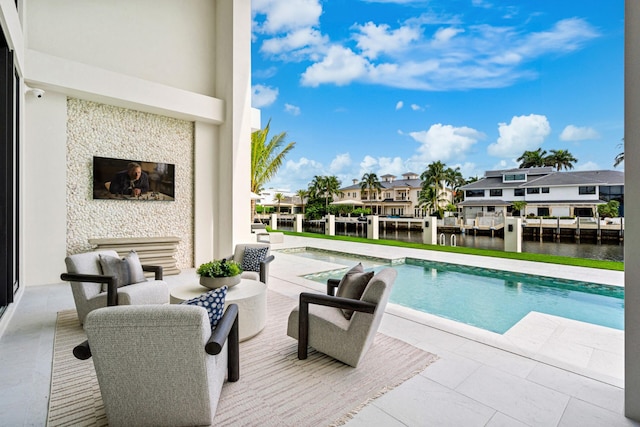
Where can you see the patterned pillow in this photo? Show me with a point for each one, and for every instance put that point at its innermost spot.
(127, 270)
(213, 301)
(353, 285)
(253, 257)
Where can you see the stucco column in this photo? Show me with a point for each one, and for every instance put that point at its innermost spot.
(373, 227)
(513, 234)
(233, 85)
(330, 225)
(297, 225)
(430, 231)
(632, 208)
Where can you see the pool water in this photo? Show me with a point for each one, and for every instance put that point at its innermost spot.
(490, 299)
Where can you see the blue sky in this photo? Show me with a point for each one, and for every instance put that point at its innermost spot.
(389, 86)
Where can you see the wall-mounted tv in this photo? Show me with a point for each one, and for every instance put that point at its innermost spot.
(125, 179)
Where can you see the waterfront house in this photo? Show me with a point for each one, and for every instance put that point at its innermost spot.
(397, 197)
(545, 191)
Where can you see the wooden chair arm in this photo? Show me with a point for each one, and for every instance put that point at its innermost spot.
(112, 286)
(227, 328)
(157, 269)
(307, 298)
(332, 285)
(264, 268)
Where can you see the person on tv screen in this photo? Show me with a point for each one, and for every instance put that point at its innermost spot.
(132, 181)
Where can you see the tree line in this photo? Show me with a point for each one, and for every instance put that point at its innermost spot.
(440, 188)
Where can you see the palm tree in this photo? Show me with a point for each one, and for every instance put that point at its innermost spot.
(620, 157)
(302, 194)
(370, 182)
(432, 200)
(434, 179)
(266, 158)
(324, 186)
(532, 159)
(455, 181)
(519, 205)
(279, 198)
(560, 159)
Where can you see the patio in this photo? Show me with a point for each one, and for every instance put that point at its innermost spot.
(536, 374)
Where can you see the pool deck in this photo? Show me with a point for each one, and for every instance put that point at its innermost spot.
(545, 371)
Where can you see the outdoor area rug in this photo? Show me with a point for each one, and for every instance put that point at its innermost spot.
(275, 388)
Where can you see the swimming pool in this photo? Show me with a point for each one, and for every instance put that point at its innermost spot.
(490, 299)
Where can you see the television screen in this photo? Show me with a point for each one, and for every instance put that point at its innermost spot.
(132, 179)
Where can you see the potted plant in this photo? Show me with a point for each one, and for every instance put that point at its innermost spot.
(218, 273)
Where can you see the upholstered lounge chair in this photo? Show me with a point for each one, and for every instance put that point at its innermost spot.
(262, 272)
(161, 365)
(319, 321)
(86, 277)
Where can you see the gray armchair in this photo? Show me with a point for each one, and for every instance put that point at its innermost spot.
(86, 277)
(161, 365)
(263, 272)
(319, 322)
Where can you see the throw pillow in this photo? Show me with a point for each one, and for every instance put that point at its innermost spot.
(352, 285)
(127, 270)
(213, 301)
(253, 257)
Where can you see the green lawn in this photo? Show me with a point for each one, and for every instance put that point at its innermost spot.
(551, 259)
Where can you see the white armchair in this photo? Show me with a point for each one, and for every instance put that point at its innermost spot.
(260, 273)
(86, 276)
(319, 321)
(161, 365)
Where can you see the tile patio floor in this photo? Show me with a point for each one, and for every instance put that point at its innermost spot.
(545, 371)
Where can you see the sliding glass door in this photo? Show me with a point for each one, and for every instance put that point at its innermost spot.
(9, 160)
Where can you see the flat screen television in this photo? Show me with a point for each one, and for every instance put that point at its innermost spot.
(124, 179)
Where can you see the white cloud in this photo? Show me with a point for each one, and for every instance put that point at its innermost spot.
(297, 43)
(368, 163)
(341, 66)
(373, 40)
(296, 175)
(340, 163)
(418, 55)
(292, 109)
(575, 133)
(399, 105)
(416, 107)
(382, 166)
(468, 169)
(285, 15)
(444, 143)
(522, 134)
(263, 96)
(565, 36)
(444, 35)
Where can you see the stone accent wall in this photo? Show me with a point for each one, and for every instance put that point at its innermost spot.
(107, 131)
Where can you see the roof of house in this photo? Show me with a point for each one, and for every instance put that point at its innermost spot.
(547, 177)
(500, 202)
(398, 183)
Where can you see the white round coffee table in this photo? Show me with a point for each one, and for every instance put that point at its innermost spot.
(249, 295)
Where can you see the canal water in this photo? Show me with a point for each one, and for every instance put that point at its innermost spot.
(612, 251)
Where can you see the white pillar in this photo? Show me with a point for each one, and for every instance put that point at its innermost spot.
(372, 227)
(632, 209)
(330, 225)
(274, 222)
(430, 231)
(232, 83)
(297, 226)
(513, 234)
